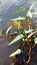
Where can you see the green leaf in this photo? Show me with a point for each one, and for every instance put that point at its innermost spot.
(35, 40)
(19, 37)
(8, 30)
(20, 10)
(18, 51)
(27, 18)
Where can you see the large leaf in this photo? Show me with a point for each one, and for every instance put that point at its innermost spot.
(19, 37)
(35, 40)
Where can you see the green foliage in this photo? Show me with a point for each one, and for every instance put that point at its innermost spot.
(27, 18)
(19, 37)
(25, 36)
(21, 10)
(35, 40)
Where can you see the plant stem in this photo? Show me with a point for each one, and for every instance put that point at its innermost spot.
(30, 49)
